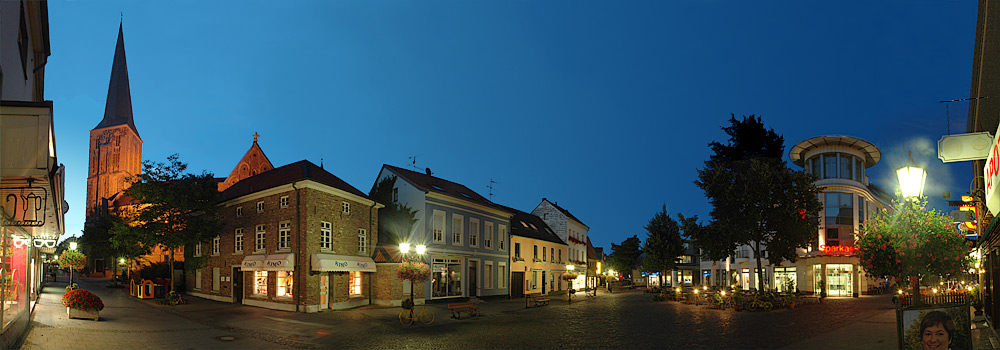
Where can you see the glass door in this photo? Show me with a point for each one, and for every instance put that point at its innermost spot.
(839, 280)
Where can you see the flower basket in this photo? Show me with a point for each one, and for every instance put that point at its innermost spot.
(73, 259)
(569, 276)
(81, 303)
(414, 271)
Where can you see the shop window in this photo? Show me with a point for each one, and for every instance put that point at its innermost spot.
(260, 283)
(446, 278)
(284, 284)
(354, 283)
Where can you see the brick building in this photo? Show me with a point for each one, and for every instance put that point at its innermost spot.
(296, 238)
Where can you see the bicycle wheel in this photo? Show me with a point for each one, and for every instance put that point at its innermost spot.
(426, 316)
(752, 307)
(406, 317)
(768, 306)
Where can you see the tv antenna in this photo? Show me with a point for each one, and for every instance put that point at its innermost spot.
(413, 161)
(490, 186)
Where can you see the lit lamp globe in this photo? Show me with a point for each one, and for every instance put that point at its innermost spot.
(421, 249)
(911, 179)
(72, 245)
(404, 248)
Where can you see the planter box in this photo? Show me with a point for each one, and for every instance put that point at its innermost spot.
(77, 313)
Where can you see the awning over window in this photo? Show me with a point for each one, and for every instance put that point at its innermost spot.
(271, 262)
(330, 262)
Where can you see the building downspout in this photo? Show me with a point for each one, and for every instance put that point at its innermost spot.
(372, 229)
(298, 246)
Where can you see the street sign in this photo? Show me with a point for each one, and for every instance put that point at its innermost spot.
(964, 147)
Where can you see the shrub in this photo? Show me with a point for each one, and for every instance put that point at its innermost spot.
(159, 270)
(82, 299)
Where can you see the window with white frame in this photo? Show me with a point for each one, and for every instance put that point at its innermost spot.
(239, 212)
(438, 226)
(502, 278)
(238, 241)
(502, 237)
(544, 256)
(215, 245)
(488, 276)
(260, 207)
(362, 241)
(258, 242)
(456, 229)
(284, 236)
(260, 283)
(197, 249)
(488, 235)
(325, 230)
(347, 207)
(473, 232)
(283, 201)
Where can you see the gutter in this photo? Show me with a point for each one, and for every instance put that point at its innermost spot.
(298, 246)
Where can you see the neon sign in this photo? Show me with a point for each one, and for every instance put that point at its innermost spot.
(969, 224)
(837, 249)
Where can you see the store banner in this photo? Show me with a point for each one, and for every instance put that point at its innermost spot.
(23, 206)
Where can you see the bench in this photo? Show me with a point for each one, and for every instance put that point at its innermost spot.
(538, 299)
(458, 308)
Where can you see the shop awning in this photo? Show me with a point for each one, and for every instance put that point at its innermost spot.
(331, 262)
(270, 262)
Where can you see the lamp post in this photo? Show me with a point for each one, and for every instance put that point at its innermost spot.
(72, 246)
(569, 293)
(405, 248)
(911, 184)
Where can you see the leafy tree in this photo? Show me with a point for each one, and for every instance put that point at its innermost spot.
(912, 242)
(663, 243)
(623, 257)
(176, 209)
(396, 220)
(757, 200)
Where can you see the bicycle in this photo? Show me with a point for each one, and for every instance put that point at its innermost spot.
(759, 303)
(408, 315)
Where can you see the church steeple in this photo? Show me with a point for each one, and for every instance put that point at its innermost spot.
(118, 109)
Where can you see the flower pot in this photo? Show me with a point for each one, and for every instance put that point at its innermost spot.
(687, 302)
(84, 314)
(791, 305)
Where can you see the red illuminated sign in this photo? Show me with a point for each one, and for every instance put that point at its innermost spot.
(837, 249)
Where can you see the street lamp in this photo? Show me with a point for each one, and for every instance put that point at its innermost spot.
(72, 245)
(911, 184)
(405, 248)
(911, 179)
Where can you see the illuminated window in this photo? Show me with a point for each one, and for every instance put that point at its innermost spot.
(284, 284)
(284, 236)
(260, 282)
(283, 201)
(324, 235)
(354, 283)
(238, 241)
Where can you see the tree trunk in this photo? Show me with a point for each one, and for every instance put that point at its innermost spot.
(171, 269)
(760, 270)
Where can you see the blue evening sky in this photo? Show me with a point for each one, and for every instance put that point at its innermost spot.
(605, 107)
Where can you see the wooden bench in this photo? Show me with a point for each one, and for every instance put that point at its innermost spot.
(538, 299)
(458, 308)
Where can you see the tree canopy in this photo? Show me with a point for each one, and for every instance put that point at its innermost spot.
(623, 257)
(176, 209)
(756, 199)
(663, 242)
(396, 220)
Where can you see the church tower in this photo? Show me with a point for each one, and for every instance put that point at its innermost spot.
(115, 146)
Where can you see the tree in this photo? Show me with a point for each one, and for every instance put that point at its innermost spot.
(912, 242)
(175, 210)
(623, 257)
(396, 220)
(663, 243)
(757, 200)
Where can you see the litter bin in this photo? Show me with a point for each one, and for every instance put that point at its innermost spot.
(159, 291)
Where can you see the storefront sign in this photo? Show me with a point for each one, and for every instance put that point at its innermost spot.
(23, 206)
(991, 172)
(331, 262)
(253, 263)
(837, 249)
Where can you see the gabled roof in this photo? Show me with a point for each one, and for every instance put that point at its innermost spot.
(287, 174)
(118, 109)
(530, 226)
(591, 252)
(254, 162)
(386, 254)
(564, 211)
(429, 183)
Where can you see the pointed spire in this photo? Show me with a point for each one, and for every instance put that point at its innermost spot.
(118, 109)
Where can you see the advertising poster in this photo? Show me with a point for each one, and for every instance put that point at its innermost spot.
(937, 327)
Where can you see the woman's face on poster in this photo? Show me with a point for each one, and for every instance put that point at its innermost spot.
(935, 337)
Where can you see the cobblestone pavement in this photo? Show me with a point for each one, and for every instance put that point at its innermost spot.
(620, 320)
